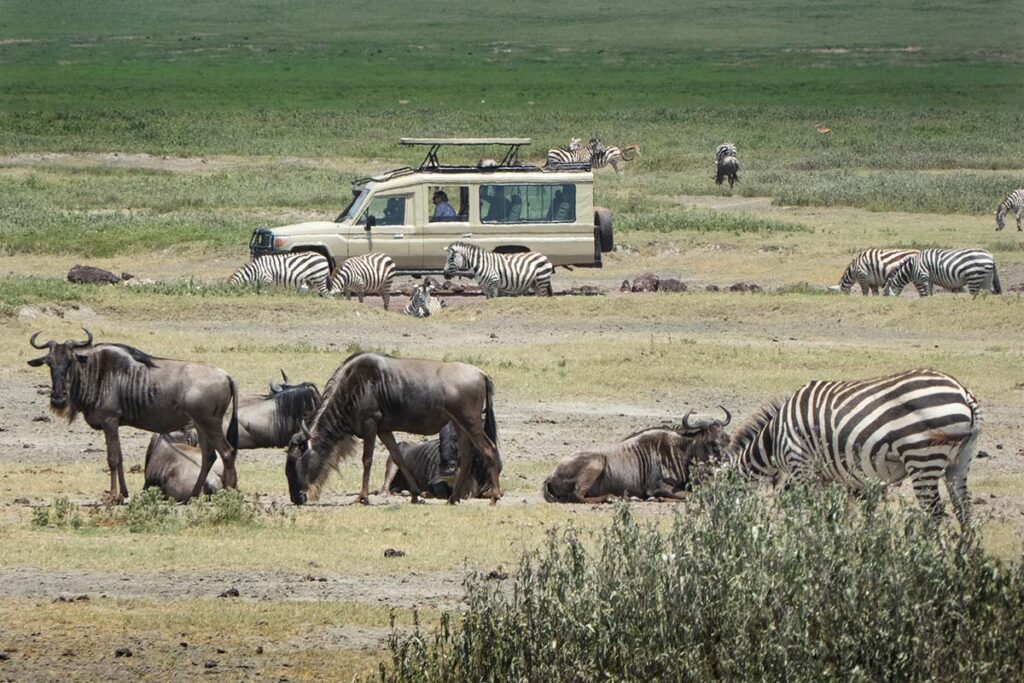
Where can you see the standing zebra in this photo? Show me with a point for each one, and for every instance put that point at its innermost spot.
(727, 165)
(366, 274)
(421, 303)
(576, 154)
(302, 270)
(613, 156)
(953, 269)
(872, 267)
(1014, 201)
(920, 424)
(509, 274)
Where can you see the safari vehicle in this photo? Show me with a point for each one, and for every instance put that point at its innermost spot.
(504, 206)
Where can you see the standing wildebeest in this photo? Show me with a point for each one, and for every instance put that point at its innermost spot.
(173, 462)
(432, 463)
(727, 165)
(659, 462)
(372, 395)
(115, 384)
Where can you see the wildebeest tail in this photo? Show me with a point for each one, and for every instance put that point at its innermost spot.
(996, 287)
(490, 423)
(233, 425)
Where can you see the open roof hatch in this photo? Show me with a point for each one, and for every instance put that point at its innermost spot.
(431, 163)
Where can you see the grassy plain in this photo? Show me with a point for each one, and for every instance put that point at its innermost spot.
(152, 137)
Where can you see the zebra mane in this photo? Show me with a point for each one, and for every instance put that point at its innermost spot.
(465, 246)
(754, 426)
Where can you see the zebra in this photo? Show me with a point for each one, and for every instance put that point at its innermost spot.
(301, 270)
(509, 274)
(920, 424)
(953, 269)
(422, 304)
(727, 165)
(613, 156)
(872, 268)
(365, 274)
(1014, 201)
(576, 154)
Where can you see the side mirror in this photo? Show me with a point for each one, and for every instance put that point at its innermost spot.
(370, 221)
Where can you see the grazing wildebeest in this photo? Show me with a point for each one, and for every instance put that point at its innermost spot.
(432, 463)
(371, 395)
(173, 462)
(114, 384)
(659, 462)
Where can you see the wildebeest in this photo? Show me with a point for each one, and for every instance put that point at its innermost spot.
(432, 463)
(271, 420)
(114, 384)
(173, 462)
(371, 395)
(659, 462)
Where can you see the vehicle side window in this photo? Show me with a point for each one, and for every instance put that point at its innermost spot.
(528, 203)
(387, 210)
(448, 203)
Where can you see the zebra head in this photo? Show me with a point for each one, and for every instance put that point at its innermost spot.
(457, 260)
(1000, 218)
(597, 148)
(849, 277)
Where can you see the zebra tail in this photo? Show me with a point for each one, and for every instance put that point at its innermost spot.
(233, 425)
(996, 287)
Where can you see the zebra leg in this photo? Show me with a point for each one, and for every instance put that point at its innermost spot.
(1020, 212)
(387, 299)
(926, 488)
(360, 296)
(388, 439)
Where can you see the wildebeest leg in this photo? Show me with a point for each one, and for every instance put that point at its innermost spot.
(209, 458)
(369, 435)
(461, 484)
(389, 476)
(666, 491)
(213, 436)
(585, 480)
(388, 439)
(490, 451)
(115, 463)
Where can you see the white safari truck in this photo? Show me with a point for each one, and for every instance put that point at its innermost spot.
(412, 214)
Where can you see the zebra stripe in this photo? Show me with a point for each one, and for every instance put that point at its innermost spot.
(872, 268)
(422, 304)
(613, 156)
(576, 154)
(508, 274)
(1014, 201)
(952, 269)
(302, 270)
(364, 274)
(920, 424)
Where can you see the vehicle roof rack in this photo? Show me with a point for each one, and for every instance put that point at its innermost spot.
(431, 163)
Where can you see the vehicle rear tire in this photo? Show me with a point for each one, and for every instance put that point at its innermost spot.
(319, 250)
(603, 228)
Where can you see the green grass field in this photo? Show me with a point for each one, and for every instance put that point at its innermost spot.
(153, 137)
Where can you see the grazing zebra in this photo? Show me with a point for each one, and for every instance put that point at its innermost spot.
(726, 164)
(509, 274)
(953, 269)
(576, 154)
(421, 303)
(613, 156)
(302, 270)
(1014, 201)
(365, 274)
(920, 424)
(872, 267)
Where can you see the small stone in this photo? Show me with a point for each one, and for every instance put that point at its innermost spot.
(122, 652)
(394, 552)
(229, 593)
(210, 664)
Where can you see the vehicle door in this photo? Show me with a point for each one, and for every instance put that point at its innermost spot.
(389, 224)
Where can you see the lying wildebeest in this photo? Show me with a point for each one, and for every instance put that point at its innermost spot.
(173, 462)
(371, 395)
(659, 462)
(271, 420)
(114, 384)
(432, 463)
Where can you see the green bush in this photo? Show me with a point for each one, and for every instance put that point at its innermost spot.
(61, 514)
(228, 506)
(806, 586)
(150, 510)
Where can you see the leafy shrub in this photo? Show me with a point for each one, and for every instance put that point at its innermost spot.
(150, 510)
(228, 506)
(61, 514)
(805, 586)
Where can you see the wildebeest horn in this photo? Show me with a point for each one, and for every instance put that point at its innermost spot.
(87, 342)
(32, 341)
(275, 388)
(304, 429)
(728, 416)
(285, 376)
(686, 419)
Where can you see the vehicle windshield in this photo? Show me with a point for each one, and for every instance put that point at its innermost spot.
(354, 206)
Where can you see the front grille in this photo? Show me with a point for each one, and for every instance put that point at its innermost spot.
(261, 243)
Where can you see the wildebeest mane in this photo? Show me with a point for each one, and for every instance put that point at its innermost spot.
(292, 404)
(334, 439)
(106, 370)
(137, 355)
(752, 427)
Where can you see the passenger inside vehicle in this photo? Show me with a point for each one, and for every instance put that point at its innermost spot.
(394, 212)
